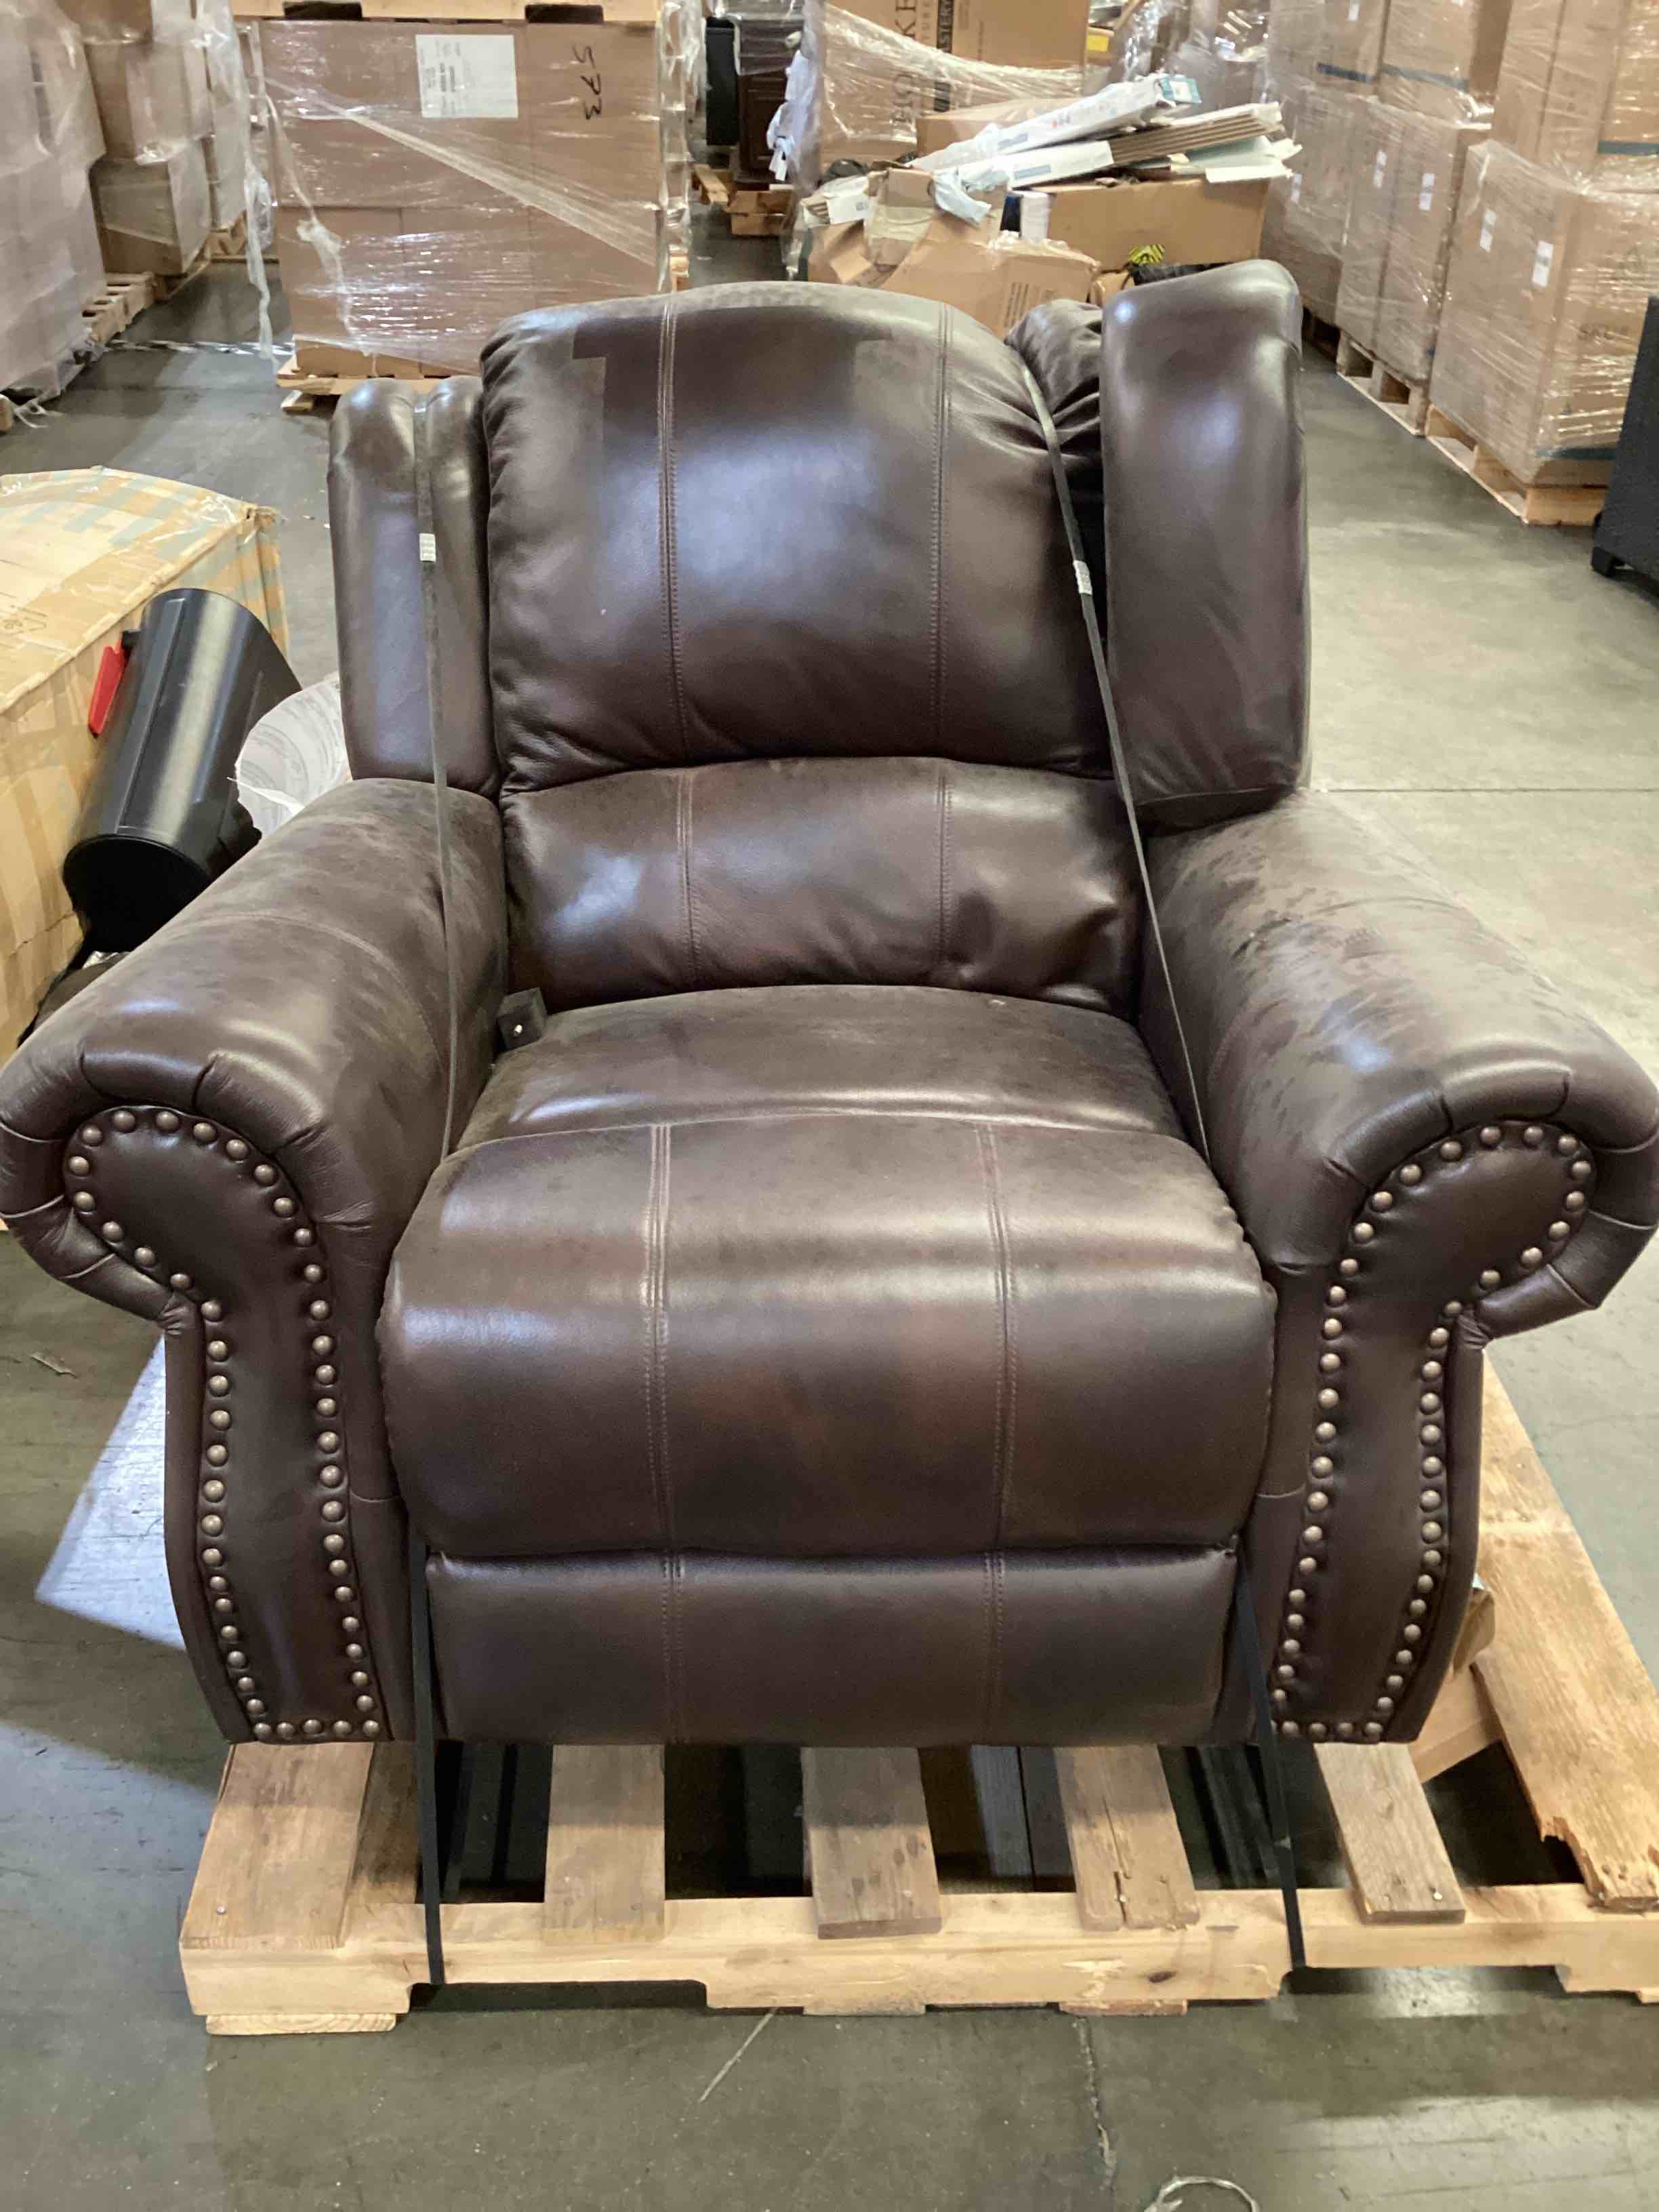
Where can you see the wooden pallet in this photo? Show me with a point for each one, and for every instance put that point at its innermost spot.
(1323, 336)
(304, 1917)
(1403, 399)
(1575, 506)
(752, 210)
(117, 301)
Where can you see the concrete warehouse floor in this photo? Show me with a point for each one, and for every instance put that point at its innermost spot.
(1482, 701)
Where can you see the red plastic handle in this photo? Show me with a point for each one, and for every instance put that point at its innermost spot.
(107, 682)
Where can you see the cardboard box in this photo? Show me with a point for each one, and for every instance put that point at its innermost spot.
(1441, 57)
(909, 245)
(1545, 301)
(81, 550)
(519, 165)
(1191, 220)
(152, 94)
(132, 19)
(1578, 90)
(1016, 33)
(1308, 214)
(1407, 171)
(153, 214)
(1336, 44)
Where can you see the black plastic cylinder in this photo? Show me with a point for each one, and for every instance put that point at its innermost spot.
(161, 818)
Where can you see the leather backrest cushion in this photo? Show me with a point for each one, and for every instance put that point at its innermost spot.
(897, 871)
(767, 520)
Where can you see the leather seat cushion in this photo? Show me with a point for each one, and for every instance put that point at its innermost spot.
(1034, 1647)
(804, 1272)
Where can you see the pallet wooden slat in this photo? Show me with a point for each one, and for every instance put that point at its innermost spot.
(1395, 1859)
(605, 1880)
(1541, 504)
(1576, 1709)
(281, 1849)
(870, 1853)
(1127, 1853)
(1403, 399)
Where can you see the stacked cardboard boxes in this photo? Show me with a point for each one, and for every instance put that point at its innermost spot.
(1408, 172)
(50, 266)
(1324, 57)
(149, 73)
(433, 179)
(1556, 243)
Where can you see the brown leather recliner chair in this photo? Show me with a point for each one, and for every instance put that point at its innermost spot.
(826, 1331)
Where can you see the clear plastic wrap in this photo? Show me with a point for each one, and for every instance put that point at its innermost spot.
(1337, 44)
(1440, 58)
(856, 90)
(1545, 294)
(1579, 90)
(1407, 170)
(49, 265)
(292, 755)
(1222, 48)
(1308, 216)
(433, 179)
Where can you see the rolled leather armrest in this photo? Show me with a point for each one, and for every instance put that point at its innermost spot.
(227, 1133)
(1428, 1146)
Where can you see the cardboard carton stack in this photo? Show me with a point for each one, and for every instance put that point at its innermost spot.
(1557, 243)
(1324, 59)
(433, 177)
(49, 265)
(226, 145)
(149, 73)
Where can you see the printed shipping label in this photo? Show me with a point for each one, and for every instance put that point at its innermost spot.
(1542, 257)
(1379, 172)
(1353, 11)
(1295, 190)
(1488, 226)
(1425, 192)
(464, 79)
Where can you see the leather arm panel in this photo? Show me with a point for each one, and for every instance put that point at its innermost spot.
(1206, 547)
(375, 535)
(227, 1133)
(1428, 1146)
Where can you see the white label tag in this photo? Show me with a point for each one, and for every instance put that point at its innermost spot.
(1379, 172)
(1295, 190)
(1488, 225)
(1425, 192)
(1543, 255)
(1353, 11)
(467, 77)
(429, 549)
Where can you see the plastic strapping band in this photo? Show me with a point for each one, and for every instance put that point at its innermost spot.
(1250, 1646)
(1086, 592)
(429, 553)
(420, 1607)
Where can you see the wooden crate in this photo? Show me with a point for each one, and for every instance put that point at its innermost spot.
(304, 1917)
(1403, 399)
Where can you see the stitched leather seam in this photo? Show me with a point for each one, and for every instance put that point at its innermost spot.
(683, 834)
(1002, 1453)
(665, 527)
(830, 1113)
(944, 866)
(991, 1647)
(656, 1409)
(936, 619)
